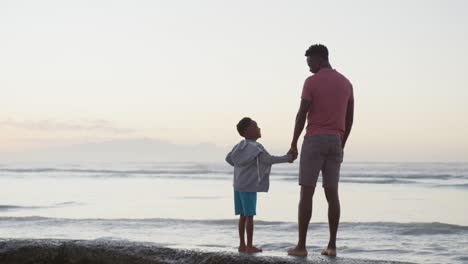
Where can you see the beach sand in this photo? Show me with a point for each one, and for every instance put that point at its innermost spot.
(45, 251)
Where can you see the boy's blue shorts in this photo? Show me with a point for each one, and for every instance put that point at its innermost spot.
(245, 203)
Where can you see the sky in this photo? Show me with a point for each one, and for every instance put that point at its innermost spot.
(185, 72)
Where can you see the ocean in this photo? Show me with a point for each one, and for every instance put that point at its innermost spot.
(413, 212)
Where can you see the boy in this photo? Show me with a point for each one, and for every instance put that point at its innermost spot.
(252, 165)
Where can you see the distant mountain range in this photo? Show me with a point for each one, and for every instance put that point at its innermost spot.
(131, 150)
(154, 150)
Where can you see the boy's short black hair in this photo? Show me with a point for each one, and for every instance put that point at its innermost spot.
(243, 124)
(318, 50)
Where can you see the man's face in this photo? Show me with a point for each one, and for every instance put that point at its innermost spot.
(314, 63)
(254, 131)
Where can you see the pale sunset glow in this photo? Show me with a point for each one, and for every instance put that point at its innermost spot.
(185, 72)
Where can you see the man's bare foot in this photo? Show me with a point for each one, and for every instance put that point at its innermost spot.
(297, 252)
(329, 252)
(241, 249)
(252, 250)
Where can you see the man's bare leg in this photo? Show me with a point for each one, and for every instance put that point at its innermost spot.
(249, 224)
(333, 219)
(304, 215)
(242, 245)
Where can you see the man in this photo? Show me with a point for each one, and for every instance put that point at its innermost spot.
(327, 103)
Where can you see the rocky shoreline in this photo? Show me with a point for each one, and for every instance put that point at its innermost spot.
(53, 251)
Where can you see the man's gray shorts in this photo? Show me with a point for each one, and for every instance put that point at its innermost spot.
(321, 153)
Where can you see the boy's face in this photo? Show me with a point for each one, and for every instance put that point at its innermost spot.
(253, 131)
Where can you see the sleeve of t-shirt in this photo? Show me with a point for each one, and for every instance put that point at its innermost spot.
(266, 158)
(307, 89)
(351, 97)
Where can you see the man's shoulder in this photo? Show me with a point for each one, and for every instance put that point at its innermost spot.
(311, 78)
(343, 77)
(310, 82)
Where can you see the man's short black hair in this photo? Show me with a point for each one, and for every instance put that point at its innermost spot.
(243, 124)
(317, 50)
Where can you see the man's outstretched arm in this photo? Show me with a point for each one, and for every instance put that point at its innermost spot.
(299, 125)
(349, 119)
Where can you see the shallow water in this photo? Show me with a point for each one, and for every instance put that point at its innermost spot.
(405, 212)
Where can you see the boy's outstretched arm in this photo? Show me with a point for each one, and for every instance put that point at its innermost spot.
(265, 157)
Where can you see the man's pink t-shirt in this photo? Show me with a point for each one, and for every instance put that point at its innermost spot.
(329, 93)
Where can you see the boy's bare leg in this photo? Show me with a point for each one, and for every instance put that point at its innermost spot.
(249, 226)
(333, 219)
(242, 245)
(305, 213)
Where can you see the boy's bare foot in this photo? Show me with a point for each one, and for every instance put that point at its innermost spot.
(329, 252)
(252, 250)
(242, 249)
(297, 252)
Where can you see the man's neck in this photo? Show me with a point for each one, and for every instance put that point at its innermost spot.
(326, 66)
(251, 139)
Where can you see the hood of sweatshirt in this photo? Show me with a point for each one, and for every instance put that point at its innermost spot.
(245, 152)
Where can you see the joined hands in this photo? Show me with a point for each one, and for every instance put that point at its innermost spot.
(293, 152)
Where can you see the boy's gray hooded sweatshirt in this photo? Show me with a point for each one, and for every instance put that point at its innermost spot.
(252, 166)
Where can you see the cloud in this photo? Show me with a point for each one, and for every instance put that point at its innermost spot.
(59, 126)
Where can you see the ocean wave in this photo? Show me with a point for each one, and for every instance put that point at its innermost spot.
(409, 229)
(377, 181)
(197, 197)
(387, 176)
(461, 185)
(201, 170)
(431, 229)
(381, 250)
(16, 207)
(115, 172)
(462, 258)
(443, 176)
(444, 180)
(371, 180)
(392, 180)
(29, 207)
